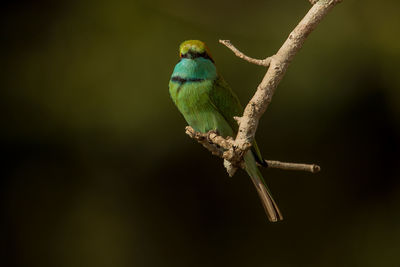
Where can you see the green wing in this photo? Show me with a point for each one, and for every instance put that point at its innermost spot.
(229, 106)
(226, 101)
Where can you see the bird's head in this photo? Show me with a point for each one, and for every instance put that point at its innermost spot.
(194, 49)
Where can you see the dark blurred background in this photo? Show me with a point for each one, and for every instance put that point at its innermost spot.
(97, 169)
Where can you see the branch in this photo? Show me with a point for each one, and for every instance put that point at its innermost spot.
(313, 168)
(260, 62)
(233, 150)
(218, 146)
(279, 63)
(211, 140)
(313, 2)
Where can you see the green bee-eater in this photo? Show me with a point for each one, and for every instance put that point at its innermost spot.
(207, 103)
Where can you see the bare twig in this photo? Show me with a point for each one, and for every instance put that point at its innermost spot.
(261, 62)
(313, 1)
(313, 168)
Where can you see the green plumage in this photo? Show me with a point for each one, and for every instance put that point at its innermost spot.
(207, 103)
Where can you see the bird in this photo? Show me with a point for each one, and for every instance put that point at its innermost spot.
(208, 103)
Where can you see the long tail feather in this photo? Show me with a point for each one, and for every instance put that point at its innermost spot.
(268, 202)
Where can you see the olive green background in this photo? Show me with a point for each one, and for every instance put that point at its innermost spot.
(97, 169)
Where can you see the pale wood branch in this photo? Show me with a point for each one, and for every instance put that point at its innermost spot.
(313, 2)
(256, 107)
(261, 62)
(233, 150)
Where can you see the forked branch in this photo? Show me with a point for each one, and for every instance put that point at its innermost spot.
(233, 150)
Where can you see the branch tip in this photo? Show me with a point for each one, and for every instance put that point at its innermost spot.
(289, 166)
